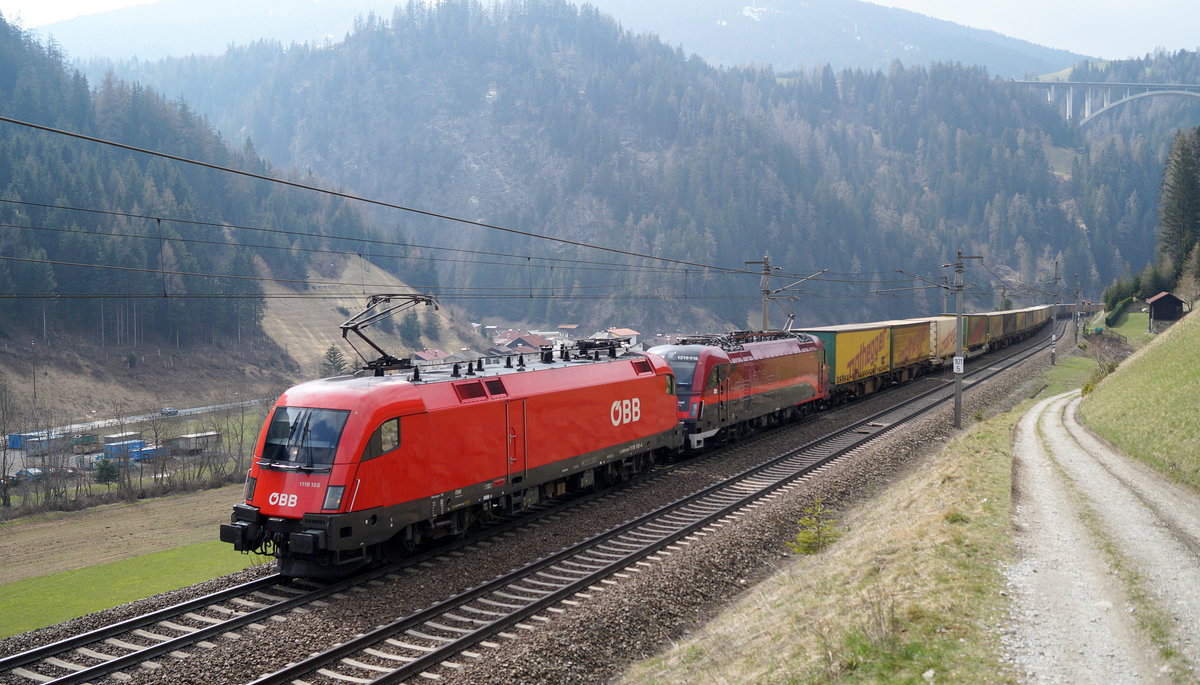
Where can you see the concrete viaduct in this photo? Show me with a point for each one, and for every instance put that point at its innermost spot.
(1084, 101)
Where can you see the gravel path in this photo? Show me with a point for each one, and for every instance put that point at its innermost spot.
(1104, 544)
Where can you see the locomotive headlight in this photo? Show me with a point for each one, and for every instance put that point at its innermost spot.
(248, 490)
(333, 497)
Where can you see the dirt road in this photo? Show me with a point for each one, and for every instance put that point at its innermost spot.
(1107, 583)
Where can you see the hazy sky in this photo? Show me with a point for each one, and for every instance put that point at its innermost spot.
(1112, 29)
(34, 13)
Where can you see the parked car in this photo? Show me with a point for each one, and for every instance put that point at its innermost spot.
(31, 474)
(168, 411)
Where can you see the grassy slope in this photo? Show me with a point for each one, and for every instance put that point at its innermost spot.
(79, 380)
(110, 555)
(1133, 325)
(50, 599)
(305, 328)
(1147, 408)
(915, 584)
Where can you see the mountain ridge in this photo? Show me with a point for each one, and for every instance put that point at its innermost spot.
(842, 33)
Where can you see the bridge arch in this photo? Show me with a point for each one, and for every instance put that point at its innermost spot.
(1136, 96)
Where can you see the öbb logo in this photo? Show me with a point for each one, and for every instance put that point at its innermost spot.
(282, 499)
(625, 411)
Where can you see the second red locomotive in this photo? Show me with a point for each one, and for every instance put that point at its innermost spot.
(747, 379)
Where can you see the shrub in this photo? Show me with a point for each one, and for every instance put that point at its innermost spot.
(817, 530)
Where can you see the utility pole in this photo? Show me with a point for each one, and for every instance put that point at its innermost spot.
(959, 361)
(766, 287)
(768, 293)
(1057, 292)
(33, 347)
(1075, 317)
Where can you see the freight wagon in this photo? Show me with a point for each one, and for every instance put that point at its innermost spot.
(975, 334)
(123, 449)
(44, 443)
(122, 437)
(18, 441)
(1007, 327)
(148, 452)
(942, 331)
(83, 443)
(859, 357)
(195, 443)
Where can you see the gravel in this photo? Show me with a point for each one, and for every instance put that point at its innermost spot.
(1073, 618)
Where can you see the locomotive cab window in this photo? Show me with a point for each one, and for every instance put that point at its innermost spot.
(385, 439)
(304, 436)
(683, 365)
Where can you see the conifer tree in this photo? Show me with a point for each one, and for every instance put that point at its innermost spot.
(1179, 215)
(334, 363)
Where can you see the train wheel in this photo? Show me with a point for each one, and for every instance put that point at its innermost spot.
(402, 545)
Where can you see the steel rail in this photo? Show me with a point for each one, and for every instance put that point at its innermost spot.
(99, 634)
(12, 664)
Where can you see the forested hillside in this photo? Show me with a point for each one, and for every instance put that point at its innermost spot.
(160, 237)
(552, 119)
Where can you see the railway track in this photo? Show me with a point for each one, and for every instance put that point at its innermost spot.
(98, 653)
(138, 641)
(440, 637)
(497, 610)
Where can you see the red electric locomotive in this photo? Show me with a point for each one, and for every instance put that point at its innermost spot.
(746, 379)
(353, 469)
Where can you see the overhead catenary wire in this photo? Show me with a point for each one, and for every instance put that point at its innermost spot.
(358, 198)
(390, 205)
(584, 265)
(342, 296)
(298, 234)
(1017, 286)
(492, 290)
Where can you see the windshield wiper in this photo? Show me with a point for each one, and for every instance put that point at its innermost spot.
(306, 443)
